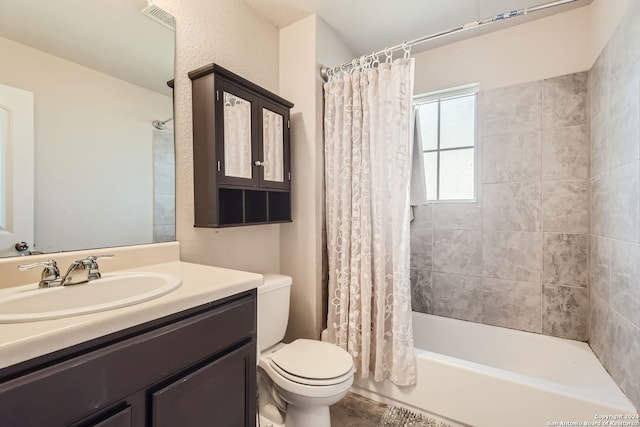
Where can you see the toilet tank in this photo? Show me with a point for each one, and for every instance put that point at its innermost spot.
(273, 309)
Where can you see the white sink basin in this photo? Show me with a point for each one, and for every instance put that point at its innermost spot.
(29, 303)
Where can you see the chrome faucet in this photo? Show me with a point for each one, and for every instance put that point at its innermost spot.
(50, 275)
(83, 270)
(80, 271)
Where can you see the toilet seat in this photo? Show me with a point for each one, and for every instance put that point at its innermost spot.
(289, 383)
(312, 363)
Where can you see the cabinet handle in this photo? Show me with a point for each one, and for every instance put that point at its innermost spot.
(258, 163)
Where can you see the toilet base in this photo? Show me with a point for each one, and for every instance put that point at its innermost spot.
(265, 422)
(308, 416)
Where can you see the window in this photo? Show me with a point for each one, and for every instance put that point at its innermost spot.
(448, 129)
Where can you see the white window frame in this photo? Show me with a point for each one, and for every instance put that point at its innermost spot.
(443, 95)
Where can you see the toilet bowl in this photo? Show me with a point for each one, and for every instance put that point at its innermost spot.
(305, 376)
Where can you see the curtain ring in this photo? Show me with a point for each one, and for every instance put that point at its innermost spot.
(367, 60)
(375, 59)
(407, 50)
(354, 65)
(388, 54)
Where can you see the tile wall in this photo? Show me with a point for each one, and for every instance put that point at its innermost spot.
(518, 257)
(552, 244)
(614, 87)
(164, 188)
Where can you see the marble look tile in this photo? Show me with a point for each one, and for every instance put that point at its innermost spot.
(625, 80)
(457, 251)
(459, 216)
(457, 296)
(565, 206)
(600, 267)
(164, 209)
(421, 290)
(511, 206)
(599, 330)
(565, 259)
(164, 178)
(422, 216)
(511, 255)
(599, 205)
(421, 261)
(599, 83)
(511, 304)
(163, 148)
(510, 109)
(164, 233)
(422, 242)
(625, 280)
(565, 153)
(625, 42)
(565, 312)
(511, 158)
(599, 138)
(564, 101)
(623, 211)
(624, 138)
(624, 353)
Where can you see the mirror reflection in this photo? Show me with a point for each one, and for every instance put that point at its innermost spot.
(104, 167)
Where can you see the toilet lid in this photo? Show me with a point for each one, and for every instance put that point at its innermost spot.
(313, 359)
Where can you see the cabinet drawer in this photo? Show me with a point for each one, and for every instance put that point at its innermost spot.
(70, 390)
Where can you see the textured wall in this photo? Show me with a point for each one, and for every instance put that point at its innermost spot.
(518, 256)
(615, 205)
(231, 34)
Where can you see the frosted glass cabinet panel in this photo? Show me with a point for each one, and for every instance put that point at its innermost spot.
(273, 145)
(237, 136)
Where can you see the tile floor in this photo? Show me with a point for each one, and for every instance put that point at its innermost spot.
(356, 411)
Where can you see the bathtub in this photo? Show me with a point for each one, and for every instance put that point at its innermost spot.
(487, 376)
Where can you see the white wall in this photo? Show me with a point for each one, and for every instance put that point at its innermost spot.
(305, 45)
(547, 47)
(77, 149)
(231, 34)
(605, 15)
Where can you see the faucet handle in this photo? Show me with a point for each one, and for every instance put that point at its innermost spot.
(50, 275)
(91, 264)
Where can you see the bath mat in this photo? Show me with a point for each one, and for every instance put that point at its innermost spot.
(396, 416)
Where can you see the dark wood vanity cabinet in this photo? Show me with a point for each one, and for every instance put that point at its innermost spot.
(192, 369)
(241, 151)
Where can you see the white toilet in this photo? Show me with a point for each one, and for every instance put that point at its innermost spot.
(302, 378)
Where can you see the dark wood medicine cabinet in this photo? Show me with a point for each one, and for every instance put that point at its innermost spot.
(241, 151)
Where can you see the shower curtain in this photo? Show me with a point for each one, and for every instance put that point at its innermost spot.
(367, 170)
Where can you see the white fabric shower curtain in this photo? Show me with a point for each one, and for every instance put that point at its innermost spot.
(367, 172)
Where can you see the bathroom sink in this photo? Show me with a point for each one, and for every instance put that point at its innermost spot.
(29, 303)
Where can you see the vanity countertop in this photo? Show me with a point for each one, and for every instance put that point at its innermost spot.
(200, 285)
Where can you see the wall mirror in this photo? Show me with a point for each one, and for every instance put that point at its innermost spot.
(104, 166)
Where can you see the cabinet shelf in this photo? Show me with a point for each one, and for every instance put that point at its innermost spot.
(240, 206)
(241, 151)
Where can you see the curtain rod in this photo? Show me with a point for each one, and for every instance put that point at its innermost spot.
(325, 72)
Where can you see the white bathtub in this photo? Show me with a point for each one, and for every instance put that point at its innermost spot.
(487, 376)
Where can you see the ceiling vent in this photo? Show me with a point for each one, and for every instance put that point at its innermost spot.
(159, 15)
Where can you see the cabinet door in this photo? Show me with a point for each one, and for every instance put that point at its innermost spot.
(235, 134)
(222, 393)
(273, 147)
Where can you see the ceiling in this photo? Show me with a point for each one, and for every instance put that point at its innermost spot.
(371, 25)
(111, 36)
